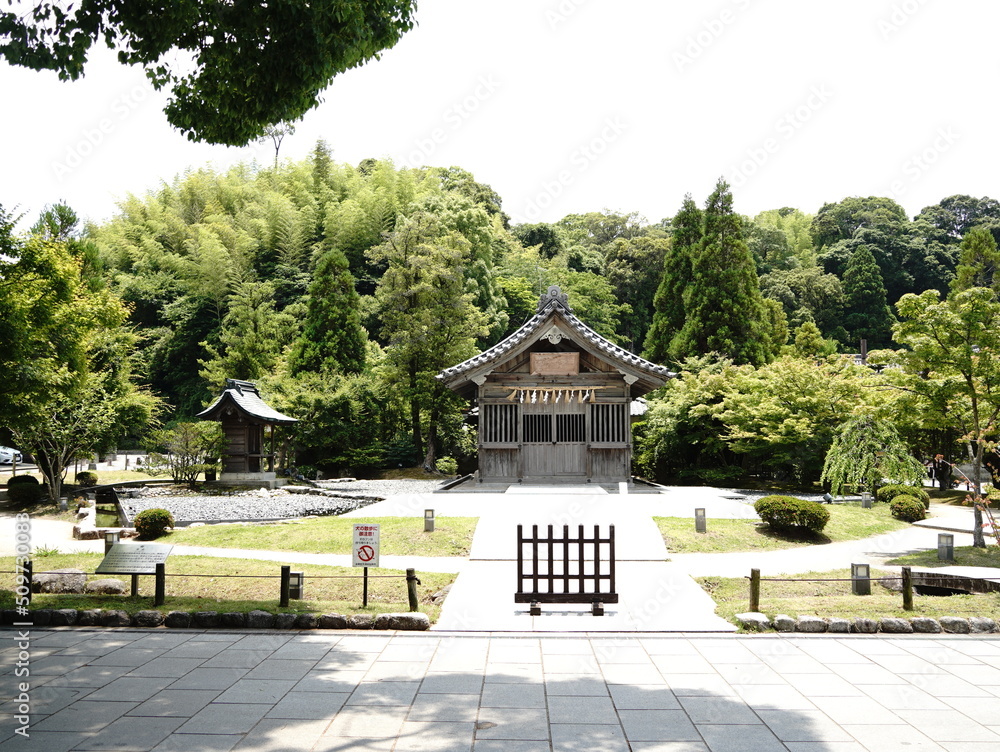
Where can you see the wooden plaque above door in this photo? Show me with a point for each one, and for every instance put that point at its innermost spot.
(555, 364)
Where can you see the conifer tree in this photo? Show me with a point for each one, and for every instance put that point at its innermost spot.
(723, 308)
(868, 315)
(668, 302)
(978, 261)
(332, 339)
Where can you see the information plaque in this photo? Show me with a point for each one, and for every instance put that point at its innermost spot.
(134, 558)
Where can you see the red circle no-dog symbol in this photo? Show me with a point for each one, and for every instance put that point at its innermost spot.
(366, 553)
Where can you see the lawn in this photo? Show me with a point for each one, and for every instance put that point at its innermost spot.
(834, 599)
(965, 556)
(847, 522)
(205, 583)
(398, 536)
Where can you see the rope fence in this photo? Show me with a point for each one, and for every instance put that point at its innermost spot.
(860, 581)
(287, 589)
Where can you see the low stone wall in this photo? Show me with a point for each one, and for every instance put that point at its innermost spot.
(756, 621)
(70, 617)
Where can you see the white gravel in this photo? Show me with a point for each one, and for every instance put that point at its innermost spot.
(262, 504)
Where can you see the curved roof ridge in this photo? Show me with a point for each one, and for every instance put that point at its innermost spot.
(547, 311)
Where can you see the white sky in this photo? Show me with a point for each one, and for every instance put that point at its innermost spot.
(569, 106)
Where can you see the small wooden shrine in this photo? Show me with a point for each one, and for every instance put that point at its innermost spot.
(554, 400)
(248, 424)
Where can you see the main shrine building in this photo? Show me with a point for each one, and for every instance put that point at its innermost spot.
(554, 400)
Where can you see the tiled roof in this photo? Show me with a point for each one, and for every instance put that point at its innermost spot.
(246, 397)
(554, 305)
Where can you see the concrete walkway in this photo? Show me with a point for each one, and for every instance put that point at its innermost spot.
(196, 691)
(654, 595)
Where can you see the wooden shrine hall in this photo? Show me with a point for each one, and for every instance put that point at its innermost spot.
(554, 400)
(247, 423)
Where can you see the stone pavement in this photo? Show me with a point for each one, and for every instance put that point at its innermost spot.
(195, 691)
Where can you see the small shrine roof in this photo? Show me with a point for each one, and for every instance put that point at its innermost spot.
(244, 397)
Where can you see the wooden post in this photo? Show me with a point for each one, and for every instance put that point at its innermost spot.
(364, 588)
(286, 579)
(135, 586)
(411, 589)
(161, 584)
(907, 590)
(755, 590)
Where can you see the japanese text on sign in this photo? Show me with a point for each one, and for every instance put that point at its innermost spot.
(365, 548)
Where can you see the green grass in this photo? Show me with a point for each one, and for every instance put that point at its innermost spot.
(222, 592)
(834, 599)
(398, 536)
(847, 522)
(965, 556)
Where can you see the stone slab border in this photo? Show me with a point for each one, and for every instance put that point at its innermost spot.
(71, 617)
(757, 621)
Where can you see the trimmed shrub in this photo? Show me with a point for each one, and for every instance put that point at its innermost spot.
(86, 478)
(447, 465)
(887, 493)
(907, 508)
(24, 489)
(152, 523)
(788, 514)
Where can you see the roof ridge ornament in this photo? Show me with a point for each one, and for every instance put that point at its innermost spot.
(554, 297)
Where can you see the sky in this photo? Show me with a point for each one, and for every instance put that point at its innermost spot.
(569, 106)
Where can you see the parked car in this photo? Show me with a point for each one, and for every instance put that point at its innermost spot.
(9, 456)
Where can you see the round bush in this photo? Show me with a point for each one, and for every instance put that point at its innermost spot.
(886, 494)
(24, 489)
(788, 514)
(447, 465)
(152, 523)
(907, 508)
(86, 478)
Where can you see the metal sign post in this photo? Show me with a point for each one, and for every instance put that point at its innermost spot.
(365, 553)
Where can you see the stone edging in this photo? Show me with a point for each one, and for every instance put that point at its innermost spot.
(70, 617)
(756, 621)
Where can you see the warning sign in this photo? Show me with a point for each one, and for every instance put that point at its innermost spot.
(365, 546)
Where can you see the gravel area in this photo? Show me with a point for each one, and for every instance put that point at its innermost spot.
(262, 504)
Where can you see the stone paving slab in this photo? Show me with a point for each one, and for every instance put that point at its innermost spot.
(626, 691)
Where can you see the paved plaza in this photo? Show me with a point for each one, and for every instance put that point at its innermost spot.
(195, 691)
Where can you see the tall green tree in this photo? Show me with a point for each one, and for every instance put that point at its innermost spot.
(633, 267)
(212, 55)
(978, 262)
(953, 352)
(723, 307)
(668, 300)
(71, 388)
(429, 321)
(332, 338)
(867, 313)
(253, 335)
